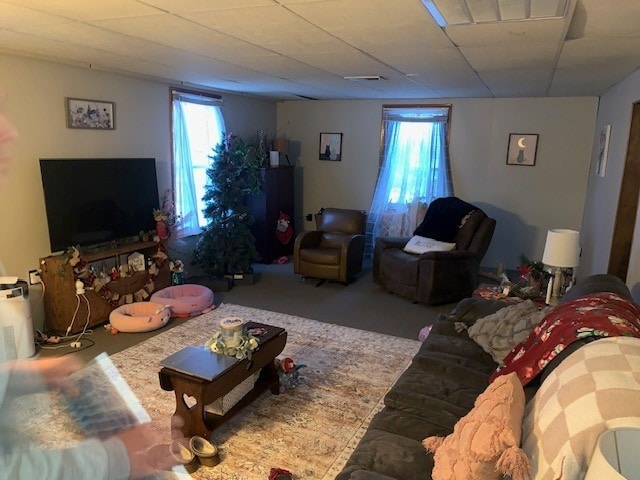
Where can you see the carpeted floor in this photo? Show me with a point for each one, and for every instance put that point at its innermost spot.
(362, 304)
(310, 430)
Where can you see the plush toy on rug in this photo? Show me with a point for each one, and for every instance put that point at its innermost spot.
(284, 231)
(288, 373)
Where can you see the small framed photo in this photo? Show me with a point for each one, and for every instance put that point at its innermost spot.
(90, 114)
(603, 150)
(331, 146)
(522, 149)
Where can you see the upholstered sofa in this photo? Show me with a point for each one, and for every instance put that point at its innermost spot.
(441, 385)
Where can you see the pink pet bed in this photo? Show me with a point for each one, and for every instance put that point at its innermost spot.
(139, 317)
(186, 300)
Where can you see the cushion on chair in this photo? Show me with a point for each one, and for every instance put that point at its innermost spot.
(321, 256)
(400, 267)
(186, 300)
(139, 317)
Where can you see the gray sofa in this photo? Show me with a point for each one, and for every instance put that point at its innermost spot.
(439, 387)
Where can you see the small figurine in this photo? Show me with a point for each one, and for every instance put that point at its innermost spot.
(288, 373)
(114, 274)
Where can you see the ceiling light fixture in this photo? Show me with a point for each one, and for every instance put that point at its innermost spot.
(468, 12)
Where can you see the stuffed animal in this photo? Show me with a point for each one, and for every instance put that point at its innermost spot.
(284, 231)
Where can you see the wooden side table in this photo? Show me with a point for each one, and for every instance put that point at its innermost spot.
(189, 389)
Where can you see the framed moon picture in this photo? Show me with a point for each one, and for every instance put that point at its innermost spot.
(522, 149)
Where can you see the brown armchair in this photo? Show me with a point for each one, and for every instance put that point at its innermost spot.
(335, 250)
(437, 277)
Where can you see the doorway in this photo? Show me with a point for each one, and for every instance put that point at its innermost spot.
(627, 203)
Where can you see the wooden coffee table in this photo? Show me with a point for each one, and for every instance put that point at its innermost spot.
(187, 388)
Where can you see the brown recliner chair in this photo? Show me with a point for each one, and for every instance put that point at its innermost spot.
(335, 250)
(437, 277)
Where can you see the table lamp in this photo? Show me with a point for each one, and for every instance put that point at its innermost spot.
(561, 250)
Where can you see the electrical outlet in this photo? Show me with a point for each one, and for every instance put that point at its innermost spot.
(309, 217)
(34, 277)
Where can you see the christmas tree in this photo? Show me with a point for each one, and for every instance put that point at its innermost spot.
(227, 246)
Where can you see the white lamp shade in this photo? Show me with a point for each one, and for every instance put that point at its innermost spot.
(562, 248)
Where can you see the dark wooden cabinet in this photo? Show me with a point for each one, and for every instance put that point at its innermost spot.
(276, 196)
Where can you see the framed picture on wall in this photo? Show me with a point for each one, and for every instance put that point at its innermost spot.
(331, 146)
(90, 114)
(522, 149)
(603, 150)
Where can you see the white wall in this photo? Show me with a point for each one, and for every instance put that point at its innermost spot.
(36, 92)
(526, 201)
(602, 195)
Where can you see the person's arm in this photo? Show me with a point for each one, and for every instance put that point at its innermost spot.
(22, 377)
(92, 459)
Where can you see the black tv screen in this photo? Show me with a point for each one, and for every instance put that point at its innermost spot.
(93, 201)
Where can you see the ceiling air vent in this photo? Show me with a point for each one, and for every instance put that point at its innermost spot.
(357, 78)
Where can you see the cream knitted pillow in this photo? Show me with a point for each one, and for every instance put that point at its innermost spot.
(500, 332)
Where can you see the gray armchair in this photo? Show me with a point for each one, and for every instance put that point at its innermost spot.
(334, 251)
(437, 277)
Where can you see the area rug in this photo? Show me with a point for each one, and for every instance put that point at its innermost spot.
(310, 430)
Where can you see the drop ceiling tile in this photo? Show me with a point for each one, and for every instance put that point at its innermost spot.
(278, 66)
(605, 19)
(375, 24)
(345, 64)
(189, 6)
(182, 34)
(16, 15)
(509, 33)
(82, 34)
(89, 9)
(599, 52)
(274, 28)
(510, 56)
(415, 58)
(525, 82)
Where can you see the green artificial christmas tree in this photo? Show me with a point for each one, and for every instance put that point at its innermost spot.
(227, 246)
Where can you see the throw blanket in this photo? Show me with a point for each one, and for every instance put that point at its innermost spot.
(594, 389)
(598, 315)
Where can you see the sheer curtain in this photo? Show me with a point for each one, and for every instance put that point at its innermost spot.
(198, 126)
(414, 170)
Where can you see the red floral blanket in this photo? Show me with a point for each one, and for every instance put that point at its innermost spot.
(595, 315)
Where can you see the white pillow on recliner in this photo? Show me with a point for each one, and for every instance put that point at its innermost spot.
(420, 245)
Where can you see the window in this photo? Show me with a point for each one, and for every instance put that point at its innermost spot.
(198, 126)
(414, 168)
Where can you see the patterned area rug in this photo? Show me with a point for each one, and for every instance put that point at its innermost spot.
(310, 430)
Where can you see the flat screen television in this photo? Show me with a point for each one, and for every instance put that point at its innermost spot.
(94, 201)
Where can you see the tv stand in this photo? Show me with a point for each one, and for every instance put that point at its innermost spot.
(60, 300)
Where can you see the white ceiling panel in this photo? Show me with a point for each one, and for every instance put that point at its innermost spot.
(16, 15)
(284, 49)
(346, 64)
(527, 82)
(86, 10)
(274, 28)
(510, 33)
(183, 34)
(190, 6)
(606, 19)
(361, 23)
(511, 57)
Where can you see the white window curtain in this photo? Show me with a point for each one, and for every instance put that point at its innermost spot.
(198, 126)
(414, 170)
